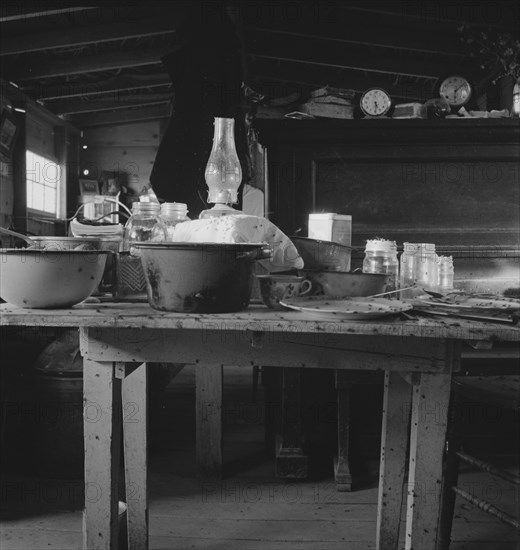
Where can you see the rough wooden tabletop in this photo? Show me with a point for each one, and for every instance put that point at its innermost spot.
(255, 318)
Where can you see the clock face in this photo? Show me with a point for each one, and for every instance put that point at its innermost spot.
(456, 90)
(375, 102)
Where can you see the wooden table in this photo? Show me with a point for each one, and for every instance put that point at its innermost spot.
(417, 356)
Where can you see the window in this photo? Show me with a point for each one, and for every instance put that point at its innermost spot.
(43, 184)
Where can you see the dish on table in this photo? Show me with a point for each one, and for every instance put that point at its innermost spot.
(359, 308)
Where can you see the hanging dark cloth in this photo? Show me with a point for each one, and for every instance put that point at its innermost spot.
(206, 72)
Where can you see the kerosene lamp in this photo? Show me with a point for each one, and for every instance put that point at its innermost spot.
(223, 172)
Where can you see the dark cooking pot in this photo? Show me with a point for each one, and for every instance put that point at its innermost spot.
(199, 277)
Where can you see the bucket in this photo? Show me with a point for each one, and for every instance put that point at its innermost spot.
(122, 525)
(58, 383)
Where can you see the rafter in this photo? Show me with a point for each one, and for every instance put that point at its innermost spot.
(343, 56)
(123, 83)
(18, 14)
(297, 77)
(122, 116)
(80, 36)
(440, 14)
(86, 64)
(358, 31)
(108, 103)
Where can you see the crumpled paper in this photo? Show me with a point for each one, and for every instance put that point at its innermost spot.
(242, 228)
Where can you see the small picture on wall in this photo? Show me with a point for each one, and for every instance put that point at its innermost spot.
(8, 131)
(88, 187)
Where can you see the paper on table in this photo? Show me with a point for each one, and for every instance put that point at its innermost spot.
(86, 230)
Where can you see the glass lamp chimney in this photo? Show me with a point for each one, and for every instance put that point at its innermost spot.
(223, 172)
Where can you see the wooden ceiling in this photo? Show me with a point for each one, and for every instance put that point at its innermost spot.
(97, 63)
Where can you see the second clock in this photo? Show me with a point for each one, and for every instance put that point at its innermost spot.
(375, 102)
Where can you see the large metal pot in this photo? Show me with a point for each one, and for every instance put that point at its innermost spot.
(199, 277)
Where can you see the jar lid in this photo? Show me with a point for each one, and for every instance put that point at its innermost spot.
(330, 216)
(174, 208)
(424, 247)
(381, 244)
(427, 247)
(140, 207)
(408, 247)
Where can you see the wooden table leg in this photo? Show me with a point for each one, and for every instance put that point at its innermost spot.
(342, 474)
(450, 470)
(102, 436)
(291, 460)
(394, 440)
(430, 401)
(272, 382)
(208, 397)
(135, 409)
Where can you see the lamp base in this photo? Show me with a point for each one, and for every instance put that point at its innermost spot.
(218, 211)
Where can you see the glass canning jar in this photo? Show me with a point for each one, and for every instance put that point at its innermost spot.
(173, 213)
(381, 257)
(407, 275)
(426, 266)
(144, 225)
(446, 273)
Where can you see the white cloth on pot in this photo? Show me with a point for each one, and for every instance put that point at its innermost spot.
(242, 228)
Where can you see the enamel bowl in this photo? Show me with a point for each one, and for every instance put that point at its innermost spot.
(339, 284)
(323, 255)
(32, 278)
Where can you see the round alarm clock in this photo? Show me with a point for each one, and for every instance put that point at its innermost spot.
(375, 102)
(456, 89)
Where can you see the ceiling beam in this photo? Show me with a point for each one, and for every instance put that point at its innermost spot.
(123, 116)
(81, 36)
(33, 70)
(18, 14)
(296, 77)
(439, 14)
(345, 56)
(108, 103)
(121, 83)
(360, 31)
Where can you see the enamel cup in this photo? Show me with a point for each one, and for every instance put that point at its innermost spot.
(274, 288)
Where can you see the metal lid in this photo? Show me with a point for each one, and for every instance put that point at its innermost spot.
(381, 245)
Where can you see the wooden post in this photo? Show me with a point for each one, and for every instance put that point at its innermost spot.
(450, 471)
(208, 397)
(291, 460)
(102, 431)
(506, 84)
(272, 382)
(342, 473)
(394, 439)
(430, 399)
(135, 413)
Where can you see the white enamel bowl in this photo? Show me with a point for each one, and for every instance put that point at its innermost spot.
(32, 278)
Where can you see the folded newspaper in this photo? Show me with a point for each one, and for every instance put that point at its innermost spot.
(79, 229)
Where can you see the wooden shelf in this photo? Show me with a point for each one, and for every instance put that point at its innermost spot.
(478, 130)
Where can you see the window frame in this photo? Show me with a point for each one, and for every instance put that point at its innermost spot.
(58, 213)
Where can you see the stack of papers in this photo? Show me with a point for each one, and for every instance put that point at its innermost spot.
(469, 306)
(79, 229)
